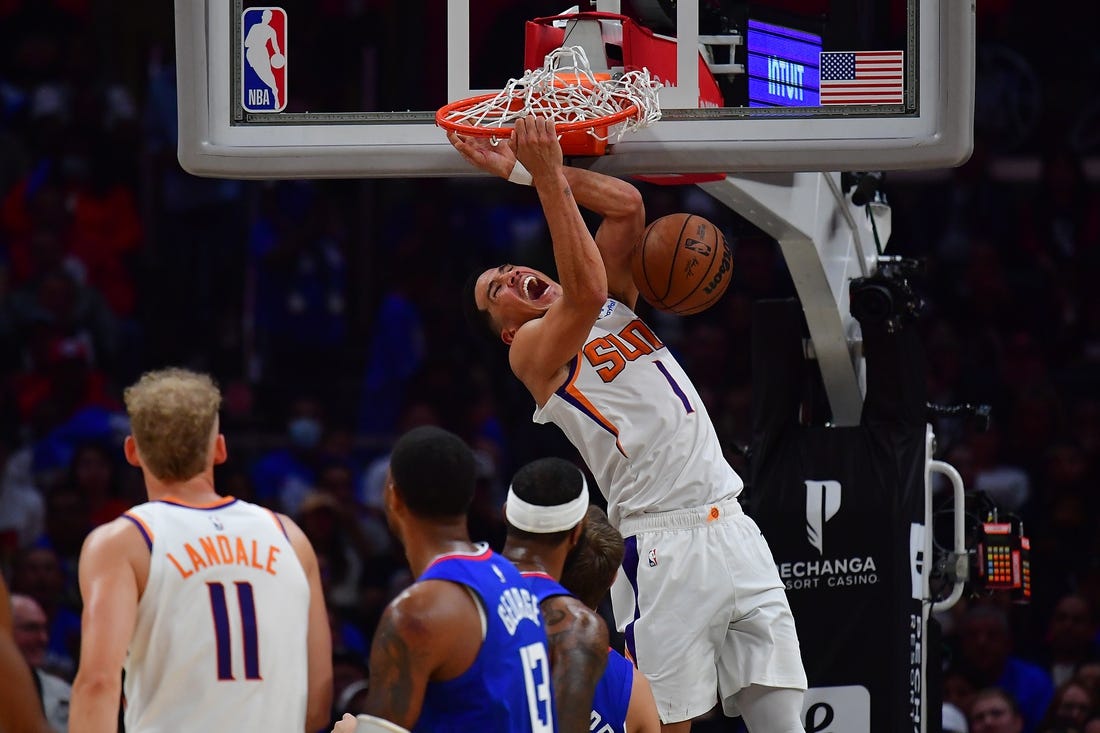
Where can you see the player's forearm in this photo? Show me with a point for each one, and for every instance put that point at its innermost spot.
(579, 264)
(319, 701)
(610, 197)
(95, 703)
(620, 204)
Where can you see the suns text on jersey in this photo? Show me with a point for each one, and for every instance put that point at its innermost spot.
(223, 549)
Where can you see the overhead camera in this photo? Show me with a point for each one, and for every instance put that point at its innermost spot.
(887, 296)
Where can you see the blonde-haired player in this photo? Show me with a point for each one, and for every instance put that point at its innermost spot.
(211, 605)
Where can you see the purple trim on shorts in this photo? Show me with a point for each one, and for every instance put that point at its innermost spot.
(630, 568)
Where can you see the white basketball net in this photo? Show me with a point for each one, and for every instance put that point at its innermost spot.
(584, 97)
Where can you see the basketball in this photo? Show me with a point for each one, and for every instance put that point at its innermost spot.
(683, 264)
(278, 61)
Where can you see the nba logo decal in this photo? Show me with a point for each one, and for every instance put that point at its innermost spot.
(653, 558)
(263, 60)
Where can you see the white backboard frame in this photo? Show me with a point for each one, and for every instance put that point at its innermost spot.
(409, 144)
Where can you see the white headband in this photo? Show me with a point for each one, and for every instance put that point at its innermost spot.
(546, 519)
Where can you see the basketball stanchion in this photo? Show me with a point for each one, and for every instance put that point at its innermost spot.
(590, 110)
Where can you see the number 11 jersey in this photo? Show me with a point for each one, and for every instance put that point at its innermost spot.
(220, 640)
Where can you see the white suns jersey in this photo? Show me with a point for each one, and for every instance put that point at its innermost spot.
(220, 641)
(638, 422)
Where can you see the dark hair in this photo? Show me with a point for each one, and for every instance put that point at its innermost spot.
(479, 321)
(592, 568)
(546, 482)
(998, 693)
(434, 472)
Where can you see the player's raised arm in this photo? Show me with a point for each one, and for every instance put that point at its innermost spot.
(319, 637)
(110, 590)
(620, 204)
(543, 346)
(617, 201)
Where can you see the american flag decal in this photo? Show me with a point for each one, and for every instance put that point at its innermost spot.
(862, 77)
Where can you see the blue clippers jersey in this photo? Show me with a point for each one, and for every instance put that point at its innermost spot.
(613, 690)
(612, 698)
(507, 688)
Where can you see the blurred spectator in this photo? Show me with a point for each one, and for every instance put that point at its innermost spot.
(1061, 221)
(1071, 638)
(68, 336)
(38, 575)
(337, 539)
(32, 635)
(1071, 706)
(22, 509)
(94, 472)
(282, 477)
(1007, 485)
(995, 711)
(953, 719)
(985, 643)
(297, 254)
(415, 413)
(959, 689)
(105, 423)
(1088, 674)
(348, 640)
(397, 347)
(337, 479)
(67, 525)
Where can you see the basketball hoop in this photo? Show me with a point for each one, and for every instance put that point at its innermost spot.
(589, 109)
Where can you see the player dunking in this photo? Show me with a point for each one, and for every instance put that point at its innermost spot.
(463, 648)
(706, 616)
(213, 606)
(545, 516)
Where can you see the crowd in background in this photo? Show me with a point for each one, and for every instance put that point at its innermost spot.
(328, 312)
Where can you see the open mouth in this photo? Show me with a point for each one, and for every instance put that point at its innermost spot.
(533, 288)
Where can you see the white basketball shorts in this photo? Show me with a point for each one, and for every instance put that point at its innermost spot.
(703, 610)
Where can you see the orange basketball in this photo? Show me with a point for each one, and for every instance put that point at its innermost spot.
(683, 264)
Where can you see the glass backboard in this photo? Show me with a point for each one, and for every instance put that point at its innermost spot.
(311, 88)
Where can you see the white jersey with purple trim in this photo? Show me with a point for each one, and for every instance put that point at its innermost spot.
(220, 641)
(638, 422)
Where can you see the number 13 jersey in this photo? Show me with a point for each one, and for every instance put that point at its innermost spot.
(220, 640)
(637, 421)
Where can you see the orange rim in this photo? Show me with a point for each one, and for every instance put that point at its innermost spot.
(479, 131)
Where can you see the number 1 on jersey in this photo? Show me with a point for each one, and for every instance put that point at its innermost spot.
(220, 611)
(675, 387)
